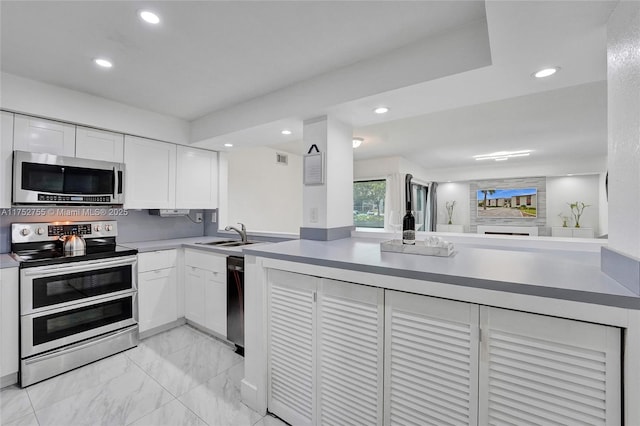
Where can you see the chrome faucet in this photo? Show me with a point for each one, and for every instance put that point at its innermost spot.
(242, 232)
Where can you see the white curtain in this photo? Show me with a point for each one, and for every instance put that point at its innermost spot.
(394, 199)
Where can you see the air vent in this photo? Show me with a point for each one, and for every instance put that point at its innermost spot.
(282, 158)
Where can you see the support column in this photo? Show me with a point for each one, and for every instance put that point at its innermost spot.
(327, 208)
(621, 259)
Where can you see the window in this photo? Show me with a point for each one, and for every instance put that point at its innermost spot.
(368, 203)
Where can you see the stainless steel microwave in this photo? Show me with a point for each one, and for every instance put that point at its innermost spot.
(53, 179)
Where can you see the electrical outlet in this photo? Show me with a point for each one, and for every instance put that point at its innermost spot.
(199, 217)
(314, 215)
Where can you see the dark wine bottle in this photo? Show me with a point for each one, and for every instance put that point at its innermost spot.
(409, 221)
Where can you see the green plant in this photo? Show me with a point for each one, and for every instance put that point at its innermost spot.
(449, 206)
(577, 209)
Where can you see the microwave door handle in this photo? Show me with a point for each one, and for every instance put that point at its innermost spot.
(115, 183)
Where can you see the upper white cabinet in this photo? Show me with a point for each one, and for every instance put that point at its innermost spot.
(6, 157)
(40, 135)
(197, 179)
(150, 177)
(99, 145)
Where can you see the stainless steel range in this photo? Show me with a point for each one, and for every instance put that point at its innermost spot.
(78, 295)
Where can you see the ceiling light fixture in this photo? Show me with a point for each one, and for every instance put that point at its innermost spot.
(149, 17)
(381, 110)
(357, 142)
(546, 72)
(228, 145)
(286, 132)
(502, 155)
(104, 63)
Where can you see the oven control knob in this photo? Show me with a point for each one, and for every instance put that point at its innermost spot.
(97, 228)
(108, 228)
(40, 231)
(24, 232)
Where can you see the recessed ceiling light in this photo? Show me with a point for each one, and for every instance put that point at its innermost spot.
(570, 174)
(104, 63)
(357, 142)
(381, 110)
(546, 72)
(228, 145)
(149, 17)
(286, 132)
(502, 155)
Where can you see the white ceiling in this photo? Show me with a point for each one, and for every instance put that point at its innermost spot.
(214, 60)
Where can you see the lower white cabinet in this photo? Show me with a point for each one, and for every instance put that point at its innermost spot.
(206, 290)
(431, 361)
(157, 289)
(536, 369)
(9, 326)
(332, 345)
(565, 231)
(325, 350)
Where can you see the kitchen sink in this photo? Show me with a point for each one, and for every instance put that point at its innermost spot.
(227, 243)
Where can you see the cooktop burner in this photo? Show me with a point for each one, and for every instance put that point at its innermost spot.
(38, 244)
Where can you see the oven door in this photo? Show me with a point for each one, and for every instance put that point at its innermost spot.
(47, 287)
(60, 327)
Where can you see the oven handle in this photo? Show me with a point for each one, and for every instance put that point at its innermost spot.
(79, 346)
(86, 267)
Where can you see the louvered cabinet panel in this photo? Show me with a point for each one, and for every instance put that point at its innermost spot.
(291, 346)
(431, 361)
(350, 354)
(543, 370)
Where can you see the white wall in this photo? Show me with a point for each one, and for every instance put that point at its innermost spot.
(569, 189)
(623, 78)
(375, 168)
(264, 195)
(45, 100)
(458, 192)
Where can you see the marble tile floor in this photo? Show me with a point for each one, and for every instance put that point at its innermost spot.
(179, 377)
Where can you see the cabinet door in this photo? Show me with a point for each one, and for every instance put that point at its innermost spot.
(350, 353)
(215, 296)
(6, 158)
(40, 135)
(9, 322)
(291, 346)
(194, 285)
(431, 361)
(558, 231)
(150, 176)
(197, 179)
(543, 370)
(99, 145)
(157, 298)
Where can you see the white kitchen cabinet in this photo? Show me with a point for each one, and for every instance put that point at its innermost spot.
(565, 231)
(206, 290)
(99, 145)
(350, 353)
(150, 177)
(431, 360)
(291, 346)
(6, 158)
(196, 178)
(325, 350)
(157, 292)
(39, 135)
(9, 326)
(543, 370)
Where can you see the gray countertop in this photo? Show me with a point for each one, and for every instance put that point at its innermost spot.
(147, 246)
(560, 274)
(6, 261)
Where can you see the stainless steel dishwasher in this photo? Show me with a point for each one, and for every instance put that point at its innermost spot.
(235, 302)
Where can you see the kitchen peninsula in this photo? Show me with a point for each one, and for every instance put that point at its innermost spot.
(334, 320)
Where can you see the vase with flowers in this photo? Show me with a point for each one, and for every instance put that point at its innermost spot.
(449, 206)
(577, 209)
